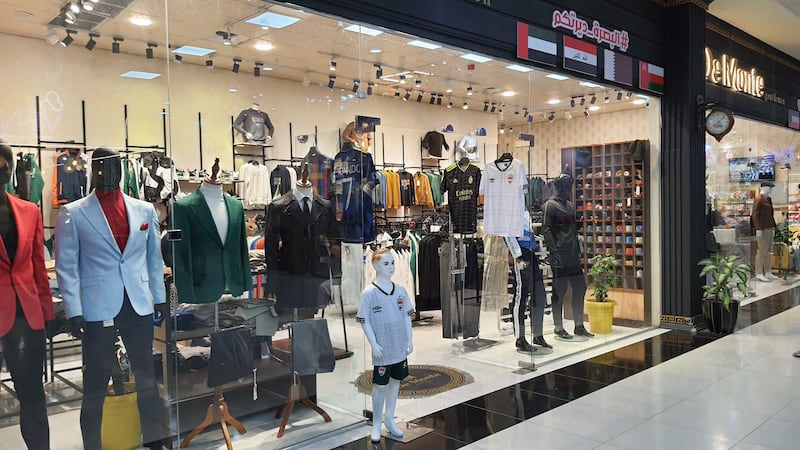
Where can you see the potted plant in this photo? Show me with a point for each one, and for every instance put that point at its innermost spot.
(723, 274)
(781, 246)
(603, 278)
(121, 427)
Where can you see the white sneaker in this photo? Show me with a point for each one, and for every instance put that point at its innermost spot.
(772, 276)
(763, 278)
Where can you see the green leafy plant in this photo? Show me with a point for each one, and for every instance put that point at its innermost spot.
(782, 233)
(726, 273)
(604, 276)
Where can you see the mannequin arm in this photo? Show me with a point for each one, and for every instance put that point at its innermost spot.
(155, 265)
(40, 273)
(409, 336)
(377, 351)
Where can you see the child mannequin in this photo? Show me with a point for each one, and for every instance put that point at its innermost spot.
(385, 315)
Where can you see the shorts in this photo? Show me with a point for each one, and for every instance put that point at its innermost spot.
(381, 374)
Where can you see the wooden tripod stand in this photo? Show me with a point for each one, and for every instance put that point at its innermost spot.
(297, 393)
(217, 412)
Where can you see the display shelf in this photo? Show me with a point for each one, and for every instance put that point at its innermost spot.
(609, 198)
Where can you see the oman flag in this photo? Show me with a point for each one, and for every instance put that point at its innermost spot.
(651, 77)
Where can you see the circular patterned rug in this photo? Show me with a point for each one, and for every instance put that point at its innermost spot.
(422, 381)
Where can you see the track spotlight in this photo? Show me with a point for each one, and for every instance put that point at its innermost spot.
(439, 99)
(355, 85)
(494, 107)
(407, 96)
(594, 99)
(418, 83)
(236, 62)
(647, 105)
(87, 5)
(568, 115)
(115, 44)
(583, 100)
(149, 51)
(90, 45)
(397, 94)
(209, 64)
(485, 106)
(226, 38)
(465, 106)
(511, 130)
(628, 95)
(502, 129)
(67, 40)
(448, 86)
(52, 38)
(332, 66)
(70, 17)
(257, 69)
(552, 116)
(419, 97)
(586, 112)
(433, 99)
(619, 95)
(178, 58)
(402, 79)
(605, 100)
(529, 119)
(469, 90)
(525, 112)
(572, 102)
(73, 6)
(449, 104)
(516, 113)
(331, 81)
(369, 88)
(378, 71)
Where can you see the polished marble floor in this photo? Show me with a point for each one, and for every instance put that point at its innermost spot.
(672, 391)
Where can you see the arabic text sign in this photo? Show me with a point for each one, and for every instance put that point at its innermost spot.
(580, 28)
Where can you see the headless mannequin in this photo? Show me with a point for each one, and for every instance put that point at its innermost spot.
(765, 232)
(385, 394)
(248, 135)
(23, 348)
(562, 244)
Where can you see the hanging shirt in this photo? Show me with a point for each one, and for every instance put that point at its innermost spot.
(256, 123)
(255, 186)
(462, 186)
(422, 190)
(406, 188)
(280, 180)
(69, 177)
(392, 189)
(353, 171)
(319, 172)
(386, 313)
(504, 198)
(435, 180)
(434, 141)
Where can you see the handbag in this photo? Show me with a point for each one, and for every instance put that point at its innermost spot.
(231, 356)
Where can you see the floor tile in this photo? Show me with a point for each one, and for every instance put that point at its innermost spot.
(466, 423)
(652, 435)
(775, 433)
(662, 384)
(635, 403)
(790, 412)
(748, 446)
(517, 402)
(559, 386)
(600, 373)
(587, 421)
(529, 437)
(728, 423)
(738, 399)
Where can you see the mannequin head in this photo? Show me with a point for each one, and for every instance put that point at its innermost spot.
(563, 184)
(255, 106)
(383, 262)
(351, 135)
(766, 188)
(106, 169)
(6, 163)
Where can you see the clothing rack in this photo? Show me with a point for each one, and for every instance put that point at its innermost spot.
(128, 145)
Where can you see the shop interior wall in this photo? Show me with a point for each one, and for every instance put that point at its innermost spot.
(63, 77)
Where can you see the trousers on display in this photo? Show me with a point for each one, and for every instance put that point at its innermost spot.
(528, 286)
(460, 289)
(764, 240)
(24, 352)
(98, 359)
(563, 279)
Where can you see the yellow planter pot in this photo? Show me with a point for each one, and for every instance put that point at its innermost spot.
(121, 428)
(601, 315)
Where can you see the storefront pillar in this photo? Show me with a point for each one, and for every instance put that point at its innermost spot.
(682, 167)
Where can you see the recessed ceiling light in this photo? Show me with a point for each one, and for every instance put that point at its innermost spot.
(518, 68)
(376, 50)
(140, 75)
(266, 68)
(476, 58)
(643, 96)
(141, 21)
(554, 101)
(233, 90)
(508, 93)
(193, 51)
(423, 44)
(556, 76)
(594, 108)
(268, 19)
(639, 101)
(364, 30)
(589, 85)
(264, 46)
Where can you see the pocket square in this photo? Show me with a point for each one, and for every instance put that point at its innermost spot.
(145, 226)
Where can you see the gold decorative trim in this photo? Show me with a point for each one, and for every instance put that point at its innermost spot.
(751, 46)
(677, 320)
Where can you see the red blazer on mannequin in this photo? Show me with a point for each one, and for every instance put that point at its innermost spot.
(27, 278)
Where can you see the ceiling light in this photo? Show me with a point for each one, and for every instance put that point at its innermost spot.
(140, 75)
(402, 79)
(268, 19)
(332, 67)
(115, 44)
(209, 64)
(448, 86)
(518, 68)
(355, 85)
(628, 95)
(397, 93)
(556, 76)
(646, 97)
(494, 107)
(594, 99)
(70, 17)
(485, 106)
(594, 108)
(525, 110)
(90, 45)
(331, 81)
(233, 90)
(178, 58)
(149, 50)
(419, 97)
(502, 129)
(474, 57)
(469, 90)
(407, 96)
(87, 5)
(67, 40)
(52, 38)
(378, 71)
(236, 62)
(141, 21)
(553, 101)
(423, 44)
(465, 106)
(619, 95)
(639, 101)
(433, 99)
(605, 100)
(364, 30)
(529, 118)
(572, 102)
(552, 116)
(449, 105)
(257, 69)
(511, 129)
(516, 113)
(418, 82)
(226, 37)
(586, 113)
(188, 50)
(73, 6)
(647, 105)
(369, 88)
(508, 93)
(439, 99)
(375, 51)
(583, 100)
(589, 85)
(568, 115)
(263, 46)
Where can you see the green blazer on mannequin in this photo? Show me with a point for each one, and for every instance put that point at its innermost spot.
(204, 267)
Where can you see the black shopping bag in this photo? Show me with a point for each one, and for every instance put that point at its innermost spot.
(231, 356)
(312, 351)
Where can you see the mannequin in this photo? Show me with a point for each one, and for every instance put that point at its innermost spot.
(763, 218)
(25, 306)
(211, 257)
(251, 123)
(110, 273)
(469, 146)
(385, 315)
(560, 236)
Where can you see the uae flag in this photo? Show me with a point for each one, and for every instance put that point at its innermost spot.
(536, 44)
(580, 56)
(618, 67)
(794, 120)
(651, 77)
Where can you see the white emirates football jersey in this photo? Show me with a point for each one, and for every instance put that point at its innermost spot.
(503, 187)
